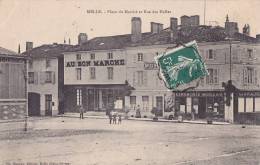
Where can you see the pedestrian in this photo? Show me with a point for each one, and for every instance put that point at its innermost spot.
(119, 119)
(114, 118)
(110, 118)
(81, 111)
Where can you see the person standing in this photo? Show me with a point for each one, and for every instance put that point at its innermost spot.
(110, 117)
(81, 111)
(119, 119)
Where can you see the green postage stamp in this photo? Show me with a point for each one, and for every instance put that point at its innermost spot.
(181, 65)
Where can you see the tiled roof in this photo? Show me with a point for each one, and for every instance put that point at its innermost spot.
(106, 43)
(4, 51)
(50, 50)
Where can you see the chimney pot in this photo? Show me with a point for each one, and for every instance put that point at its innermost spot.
(136, 29)
(82, 38)
(29, 46)
(173, 23)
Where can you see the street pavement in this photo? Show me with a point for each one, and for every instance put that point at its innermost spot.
(64, 140)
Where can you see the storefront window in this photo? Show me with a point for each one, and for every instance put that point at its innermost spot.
(79, 97)
(145, 100)
(132, 101)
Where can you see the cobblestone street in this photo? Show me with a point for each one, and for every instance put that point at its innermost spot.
(94, 141)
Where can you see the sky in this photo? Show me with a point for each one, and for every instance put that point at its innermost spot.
(52, 21)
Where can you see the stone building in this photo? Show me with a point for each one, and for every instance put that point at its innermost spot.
(45, 79)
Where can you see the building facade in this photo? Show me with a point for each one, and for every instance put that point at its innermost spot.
(13, 99)
(45, 82)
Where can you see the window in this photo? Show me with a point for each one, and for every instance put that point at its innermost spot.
(140, 57)
(79, 97)
(145, 100)
(110, 73)
(78, 70)
(92, 56)
(78, 56)
(156, 53)
(249, 75)
(30, 64)
(132, 101)
(48, 77)
(211, 55)
(140, 77)
(250, 53)
(31, 77)
(92, 73)
(48, 62)
(212, 78)
(110, 55)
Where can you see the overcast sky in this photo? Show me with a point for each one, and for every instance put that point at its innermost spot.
(49, 21)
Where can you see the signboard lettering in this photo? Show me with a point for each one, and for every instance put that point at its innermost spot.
(95, 63)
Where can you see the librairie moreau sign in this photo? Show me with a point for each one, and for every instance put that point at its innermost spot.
(95, 63)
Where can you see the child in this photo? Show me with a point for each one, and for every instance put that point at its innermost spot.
(119, 119)
(114, 119)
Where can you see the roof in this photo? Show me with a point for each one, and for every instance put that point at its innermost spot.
(48, 50)
(7, 52)
(106, 43)
(184, 34)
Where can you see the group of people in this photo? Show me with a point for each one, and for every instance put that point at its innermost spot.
(114, 118)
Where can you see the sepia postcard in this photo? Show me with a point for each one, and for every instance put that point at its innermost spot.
(120, 82)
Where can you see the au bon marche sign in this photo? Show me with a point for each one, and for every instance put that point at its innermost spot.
(95, 63)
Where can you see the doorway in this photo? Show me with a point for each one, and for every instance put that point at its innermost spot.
(48, 105)
(34, 104)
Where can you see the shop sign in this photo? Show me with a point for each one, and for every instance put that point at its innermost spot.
(199, 94)
(10, 60)
(95, 63)
(150, 66)
(249, 94)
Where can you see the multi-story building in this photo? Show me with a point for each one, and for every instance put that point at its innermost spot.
(119, 72)
(12, 85)
(45, 79)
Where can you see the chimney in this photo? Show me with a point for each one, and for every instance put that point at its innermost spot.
(195, 20)
(156, 27)
(136, 30)
(82, 38)
(173, 23)
(257, 38)
(230, 27)
(246, 29)
(29, 46)
(185, 20)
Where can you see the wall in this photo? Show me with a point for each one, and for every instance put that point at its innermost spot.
(119, 76)
(38, 66)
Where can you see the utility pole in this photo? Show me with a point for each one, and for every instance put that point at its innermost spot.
(26, 94)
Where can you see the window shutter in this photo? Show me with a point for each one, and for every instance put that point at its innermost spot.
(145, 78)
(214, 53)
(35, 77)
(245, 76)
(134, 79)
(207, 54)
(135, 58)
(53, 77)
(255, 75)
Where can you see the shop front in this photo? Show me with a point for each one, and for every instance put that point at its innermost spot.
(200, 103)
(99, 98)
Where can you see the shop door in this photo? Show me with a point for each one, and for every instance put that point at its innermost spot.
(91, 99)
(34, 104)
(159, 105)
(202, 108)
(48, 105)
